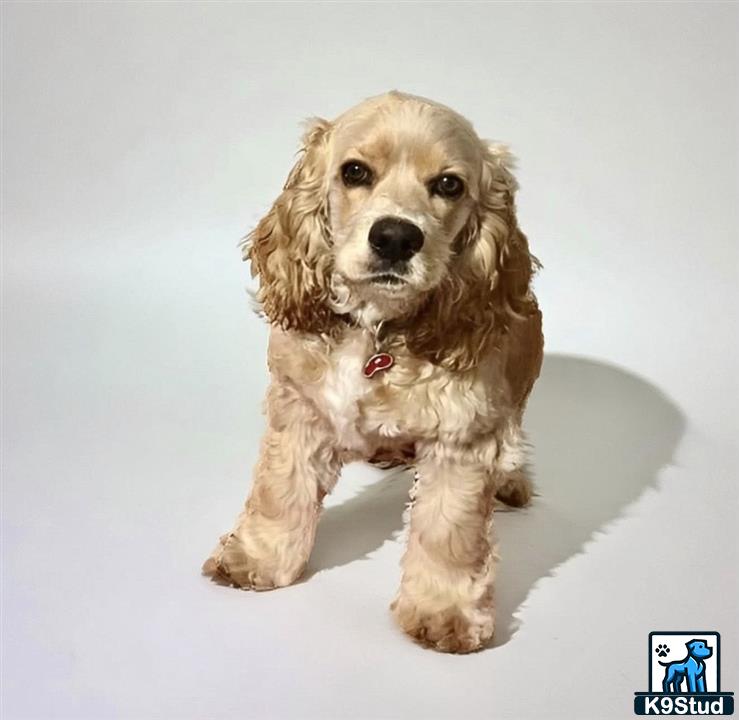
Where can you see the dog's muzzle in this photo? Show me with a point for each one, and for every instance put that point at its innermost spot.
(394, 239)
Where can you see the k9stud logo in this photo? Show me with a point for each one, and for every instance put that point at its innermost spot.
(684, 676)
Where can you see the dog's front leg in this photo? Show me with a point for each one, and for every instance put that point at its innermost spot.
(691, 678)
(298, 465)
(445, 597)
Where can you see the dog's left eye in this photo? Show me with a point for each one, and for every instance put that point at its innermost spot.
(447, 186)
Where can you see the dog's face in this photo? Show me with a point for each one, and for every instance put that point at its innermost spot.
(396, 210)
(403, 180)
(699, 650)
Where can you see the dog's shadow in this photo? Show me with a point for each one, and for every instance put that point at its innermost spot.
(600, 437)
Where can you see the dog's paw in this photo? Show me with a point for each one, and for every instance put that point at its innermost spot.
(516, 491)
(662, 650)
(451, 630)
(231, 565)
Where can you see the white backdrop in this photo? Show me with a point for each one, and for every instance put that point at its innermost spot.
(141, 141)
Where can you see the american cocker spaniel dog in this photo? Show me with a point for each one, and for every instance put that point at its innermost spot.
(403, 327)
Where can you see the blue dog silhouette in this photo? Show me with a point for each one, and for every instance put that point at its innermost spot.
(692, 669)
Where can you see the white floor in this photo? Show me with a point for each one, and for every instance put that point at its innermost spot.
(140, 141)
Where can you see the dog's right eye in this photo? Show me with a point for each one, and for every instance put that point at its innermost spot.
(355, 173)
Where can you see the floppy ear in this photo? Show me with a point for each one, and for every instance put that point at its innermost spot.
(290, 247)
(499, 251)
(488, 285)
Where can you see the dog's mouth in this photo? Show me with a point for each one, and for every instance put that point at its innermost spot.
(386, 281)
(386, 278)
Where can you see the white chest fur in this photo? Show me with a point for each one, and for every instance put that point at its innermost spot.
(411, 401)
(344, 387)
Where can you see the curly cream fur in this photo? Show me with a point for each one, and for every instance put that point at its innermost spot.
(289, 248)
(465, 332)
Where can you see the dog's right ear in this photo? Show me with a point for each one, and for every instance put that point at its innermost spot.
(290, 247)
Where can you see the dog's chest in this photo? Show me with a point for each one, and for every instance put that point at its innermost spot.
(409, 401)
(344, 390)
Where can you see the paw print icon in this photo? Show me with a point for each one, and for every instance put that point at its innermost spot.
(662, 650)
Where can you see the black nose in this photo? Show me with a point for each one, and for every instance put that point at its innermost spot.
(394, 239)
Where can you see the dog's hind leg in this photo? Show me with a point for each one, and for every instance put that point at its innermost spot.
(513, 486)
(522, 365)
(671, 681)
(666, 682)
(516, 490)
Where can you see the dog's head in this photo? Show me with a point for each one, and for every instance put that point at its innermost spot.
(396, 210)
(698, 649)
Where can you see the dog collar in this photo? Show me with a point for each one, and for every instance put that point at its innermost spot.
(380, 360)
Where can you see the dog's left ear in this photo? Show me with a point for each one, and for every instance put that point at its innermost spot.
(290, 247)
(499, 251)
(488, 286)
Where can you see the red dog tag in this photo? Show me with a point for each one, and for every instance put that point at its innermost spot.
(377, 363)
